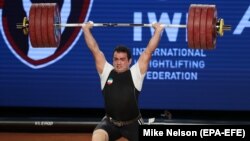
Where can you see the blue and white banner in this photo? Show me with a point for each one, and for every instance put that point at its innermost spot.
(178, 77)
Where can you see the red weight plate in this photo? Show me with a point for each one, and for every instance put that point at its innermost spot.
(190, 26)
(44, 25)
(38, 20)
(32, 26)
(203, 25)
(54, 33)
(211, 27)
(197, 21)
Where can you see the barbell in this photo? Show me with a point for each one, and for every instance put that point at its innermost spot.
(44, 25)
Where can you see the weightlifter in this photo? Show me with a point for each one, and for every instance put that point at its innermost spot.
(121, 86)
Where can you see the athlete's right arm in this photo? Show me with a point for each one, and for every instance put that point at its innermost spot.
(93, 46)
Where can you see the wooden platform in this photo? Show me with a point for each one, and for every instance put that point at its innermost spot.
(47, 137)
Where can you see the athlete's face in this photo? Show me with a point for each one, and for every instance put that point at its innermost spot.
(121, 62)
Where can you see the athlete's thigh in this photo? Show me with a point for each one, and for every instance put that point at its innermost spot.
(131, 132)
(112, 131)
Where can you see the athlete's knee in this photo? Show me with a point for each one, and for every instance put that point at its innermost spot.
(100, 135)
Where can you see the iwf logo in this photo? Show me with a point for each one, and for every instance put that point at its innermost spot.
(13, 12)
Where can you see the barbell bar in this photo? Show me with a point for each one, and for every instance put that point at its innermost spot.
(44, 25)
(119, 25)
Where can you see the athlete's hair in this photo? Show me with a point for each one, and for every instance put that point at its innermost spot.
(123, 48)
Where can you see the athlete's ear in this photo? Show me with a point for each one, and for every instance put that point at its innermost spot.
(130, 61)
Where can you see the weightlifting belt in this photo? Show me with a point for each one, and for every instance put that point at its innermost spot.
(123, 123)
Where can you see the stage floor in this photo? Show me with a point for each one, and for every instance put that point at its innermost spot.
(47, 137)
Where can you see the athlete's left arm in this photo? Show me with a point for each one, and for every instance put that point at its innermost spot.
(145, 57)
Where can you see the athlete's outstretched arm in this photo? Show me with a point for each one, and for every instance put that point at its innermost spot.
(93, 46)
(152, 45)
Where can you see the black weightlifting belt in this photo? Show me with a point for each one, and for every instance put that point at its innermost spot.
(123, 123)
